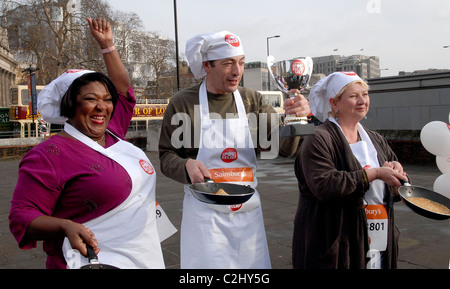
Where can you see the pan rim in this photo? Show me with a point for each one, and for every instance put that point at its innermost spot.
(250, 189)
(207, 195)
(229, 195)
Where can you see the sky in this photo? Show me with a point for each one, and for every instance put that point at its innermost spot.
(407, 35)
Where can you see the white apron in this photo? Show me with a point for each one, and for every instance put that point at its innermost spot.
(221, 236)
(127, 235)
(376, 213)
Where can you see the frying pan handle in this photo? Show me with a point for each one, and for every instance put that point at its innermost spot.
(93, 259)
(404, 183)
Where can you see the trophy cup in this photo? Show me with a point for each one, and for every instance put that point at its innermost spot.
(292, 74)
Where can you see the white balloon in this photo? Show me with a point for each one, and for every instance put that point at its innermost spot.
(443, 163)
(435, 137)
(442, 185)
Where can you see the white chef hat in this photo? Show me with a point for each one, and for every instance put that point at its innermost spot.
(49, 99)
(212, 46)
(326, 89)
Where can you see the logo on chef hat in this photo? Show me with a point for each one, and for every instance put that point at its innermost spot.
(74, 70)
(232, 40)
(349, 73)
(147, 167)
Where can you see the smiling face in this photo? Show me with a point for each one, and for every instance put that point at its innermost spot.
(94, 107)
(353, 104)
(224, 75)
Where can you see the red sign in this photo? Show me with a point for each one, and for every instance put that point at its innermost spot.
(298, 67)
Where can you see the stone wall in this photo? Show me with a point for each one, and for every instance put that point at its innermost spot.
(17, 147)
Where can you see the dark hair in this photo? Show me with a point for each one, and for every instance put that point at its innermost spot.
(69, 100)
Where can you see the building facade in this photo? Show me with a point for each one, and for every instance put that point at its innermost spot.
(256, 76)
(365, 66)
(408, 102)
(7, 66)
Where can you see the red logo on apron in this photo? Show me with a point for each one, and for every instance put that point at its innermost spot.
(232, 40)
(229, 155)
(235, 208)
(298, 67)
(147, 167)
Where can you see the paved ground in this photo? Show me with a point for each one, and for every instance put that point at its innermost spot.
(424, 243)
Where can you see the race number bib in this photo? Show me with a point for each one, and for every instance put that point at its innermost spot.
(377, 223)
(164, 225)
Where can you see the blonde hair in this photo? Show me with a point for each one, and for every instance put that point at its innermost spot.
(341, 92)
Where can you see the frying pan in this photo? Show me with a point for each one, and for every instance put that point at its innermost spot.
(408, 191)
(205, 192)
(93, 261)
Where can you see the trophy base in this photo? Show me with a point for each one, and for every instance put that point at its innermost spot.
(297, 129)
(292, 119)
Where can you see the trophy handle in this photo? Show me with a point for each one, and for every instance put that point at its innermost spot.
(271, 65)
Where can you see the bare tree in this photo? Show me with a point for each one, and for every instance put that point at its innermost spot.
(54, 36)
(157, 53)
(50, 34)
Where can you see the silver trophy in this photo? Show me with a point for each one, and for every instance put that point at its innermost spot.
(288, 75)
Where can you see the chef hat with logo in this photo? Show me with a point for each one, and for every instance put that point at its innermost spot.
(49, 99)
(212, 46)
(326, 89)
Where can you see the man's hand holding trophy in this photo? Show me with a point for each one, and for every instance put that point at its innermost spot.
(292, 75)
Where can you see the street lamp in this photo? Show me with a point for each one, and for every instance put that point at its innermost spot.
(276, 36)
(383, 69)
(268, 53)
(176, 43)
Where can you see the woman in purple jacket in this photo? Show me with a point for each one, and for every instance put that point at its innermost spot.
(87, 184)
